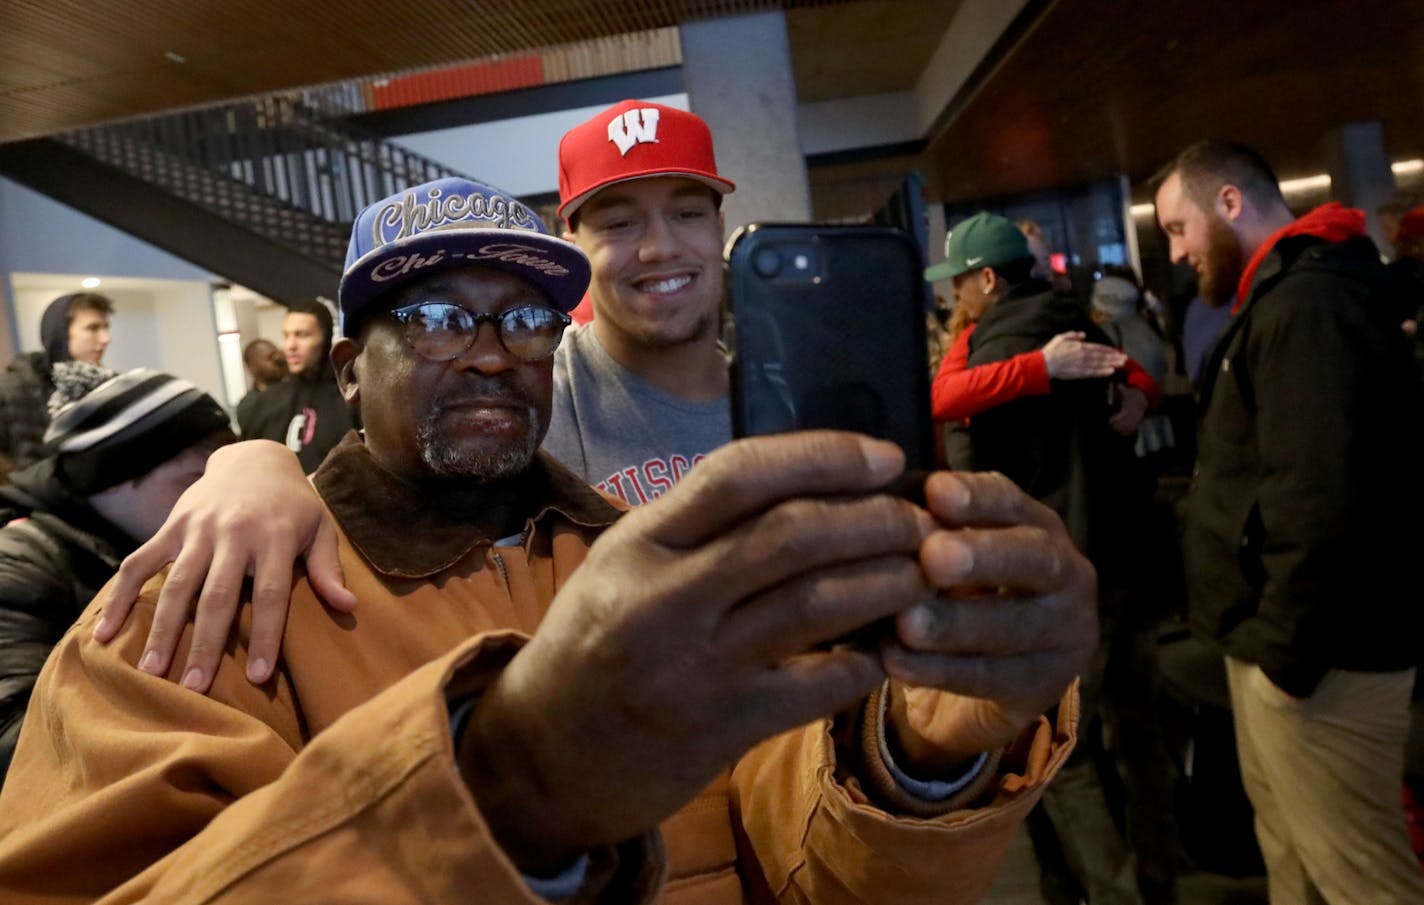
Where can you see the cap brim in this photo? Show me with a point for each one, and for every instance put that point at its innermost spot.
(711, 180)
(557, 267)
(944, 270)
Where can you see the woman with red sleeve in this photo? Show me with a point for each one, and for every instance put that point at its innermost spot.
(959, 392)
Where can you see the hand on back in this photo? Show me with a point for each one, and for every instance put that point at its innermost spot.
(1069, 356)
(252, 514)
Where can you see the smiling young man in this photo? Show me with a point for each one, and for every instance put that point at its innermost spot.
(640, 394)
(540, 700)
(1302, 534)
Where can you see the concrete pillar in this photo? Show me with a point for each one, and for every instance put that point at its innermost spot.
(1359, 170)
(737, 71)
(9, 340)
(1129, 226)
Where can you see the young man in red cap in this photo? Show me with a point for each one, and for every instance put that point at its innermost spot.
(640, 394)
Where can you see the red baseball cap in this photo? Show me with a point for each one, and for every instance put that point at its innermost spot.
(1411, 225)
(634, 140)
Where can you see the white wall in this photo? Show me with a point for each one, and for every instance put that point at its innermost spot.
(187, 336)
(269, 324)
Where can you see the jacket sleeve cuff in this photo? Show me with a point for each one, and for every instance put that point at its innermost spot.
(630, 871)
(916, 797)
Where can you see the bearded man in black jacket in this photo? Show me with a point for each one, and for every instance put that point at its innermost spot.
(1303, 527)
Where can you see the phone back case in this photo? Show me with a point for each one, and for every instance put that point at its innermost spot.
(829, 327)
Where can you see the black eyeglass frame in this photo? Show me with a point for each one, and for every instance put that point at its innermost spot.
(471, 331)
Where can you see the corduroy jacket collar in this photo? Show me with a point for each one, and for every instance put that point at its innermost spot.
(403, 532)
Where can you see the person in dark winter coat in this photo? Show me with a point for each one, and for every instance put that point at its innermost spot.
(73, 327)
(1072, 448)
(125, 450)
(306, 411)
(1301, 534)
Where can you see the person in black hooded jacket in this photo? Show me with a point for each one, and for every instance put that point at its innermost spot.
(305, 411)
(124, 448)
(1302, 526)
(73, 327)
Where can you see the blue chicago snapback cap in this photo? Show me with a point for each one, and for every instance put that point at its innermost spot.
(454, 222)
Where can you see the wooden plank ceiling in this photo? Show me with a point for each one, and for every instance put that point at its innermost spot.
(1094, 88)
(1100, 87)
(68, 63)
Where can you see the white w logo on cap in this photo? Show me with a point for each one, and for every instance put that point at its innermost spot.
(633, 127)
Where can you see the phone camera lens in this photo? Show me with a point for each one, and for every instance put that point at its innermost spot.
(767, 262)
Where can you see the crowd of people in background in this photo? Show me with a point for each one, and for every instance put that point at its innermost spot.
(451, 469)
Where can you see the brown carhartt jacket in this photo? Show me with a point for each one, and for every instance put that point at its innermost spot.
(335, 781)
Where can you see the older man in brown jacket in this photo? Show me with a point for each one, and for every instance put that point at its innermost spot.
(517, 712)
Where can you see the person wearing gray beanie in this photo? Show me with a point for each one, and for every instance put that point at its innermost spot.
(122, 448)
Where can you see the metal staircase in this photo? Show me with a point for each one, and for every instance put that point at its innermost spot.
(262, 192)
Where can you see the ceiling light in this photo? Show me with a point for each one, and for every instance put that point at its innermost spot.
(1305, 184)
(1141, 210)
(90, 283)
(1401, 167)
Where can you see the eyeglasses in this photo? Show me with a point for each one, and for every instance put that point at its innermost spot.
(441, 331)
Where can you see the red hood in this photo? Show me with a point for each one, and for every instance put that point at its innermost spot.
(1332, 222)
(583, 312)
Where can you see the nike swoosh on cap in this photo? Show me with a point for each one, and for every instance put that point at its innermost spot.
(972, 261)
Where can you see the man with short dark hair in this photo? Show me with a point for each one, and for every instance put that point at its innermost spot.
(73, 327)
(540, 700)
(305, 411)
(123, 447)
(265, 363)
(1301, 530)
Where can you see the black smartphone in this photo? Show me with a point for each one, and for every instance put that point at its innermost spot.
(829, 332)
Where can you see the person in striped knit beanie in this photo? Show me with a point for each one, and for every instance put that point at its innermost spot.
(121, 448)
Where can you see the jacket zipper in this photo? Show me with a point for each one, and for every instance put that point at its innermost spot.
(503, 570)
